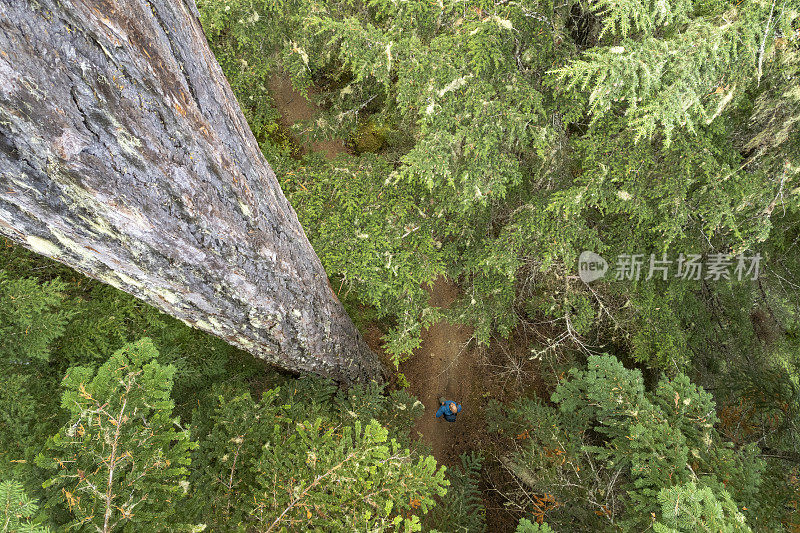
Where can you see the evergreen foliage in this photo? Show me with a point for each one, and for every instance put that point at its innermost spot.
(73, 321)
(491, 143)
(490, 172)
(644, 444)
(665, 60)
(17, 511)
(120, 457)
(31, 318)
(461, 510)
(526, 526)
(223, 479)
(31, 413)
(18, 417)
(386, 257)
(351, 479)
(691, 508)
(292, 461)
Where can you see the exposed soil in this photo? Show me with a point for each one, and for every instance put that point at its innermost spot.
(294, 108)
(447, 363)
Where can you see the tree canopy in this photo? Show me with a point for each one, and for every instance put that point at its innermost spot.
(491, 144)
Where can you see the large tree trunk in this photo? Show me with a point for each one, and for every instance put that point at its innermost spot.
(123, 154)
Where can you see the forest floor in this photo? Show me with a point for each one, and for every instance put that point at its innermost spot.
(294, 108)
(445, 364)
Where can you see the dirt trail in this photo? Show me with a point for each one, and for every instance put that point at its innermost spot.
(293, 108)
(444, 364)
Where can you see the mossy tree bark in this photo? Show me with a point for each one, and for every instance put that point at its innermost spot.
(124, 154)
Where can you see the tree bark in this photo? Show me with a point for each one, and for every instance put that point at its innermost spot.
(124, 154)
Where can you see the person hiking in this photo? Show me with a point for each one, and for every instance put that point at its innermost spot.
(448, 409)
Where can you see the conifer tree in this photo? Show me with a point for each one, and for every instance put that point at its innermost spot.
(17, 510)
(31, 317)
(120, 459)
(616, 446)
(290, 461)
(526, 526)
(211, 239)
(461, 510)
(18, 417)
(232, 430)
(691, 507)
(660, 61)
(353, 478)
(489, 136)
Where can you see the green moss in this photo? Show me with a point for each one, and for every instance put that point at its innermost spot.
(369, 138)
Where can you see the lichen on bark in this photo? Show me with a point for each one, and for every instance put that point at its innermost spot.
(123, 153)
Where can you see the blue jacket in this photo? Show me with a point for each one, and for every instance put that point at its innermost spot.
(445, 410)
